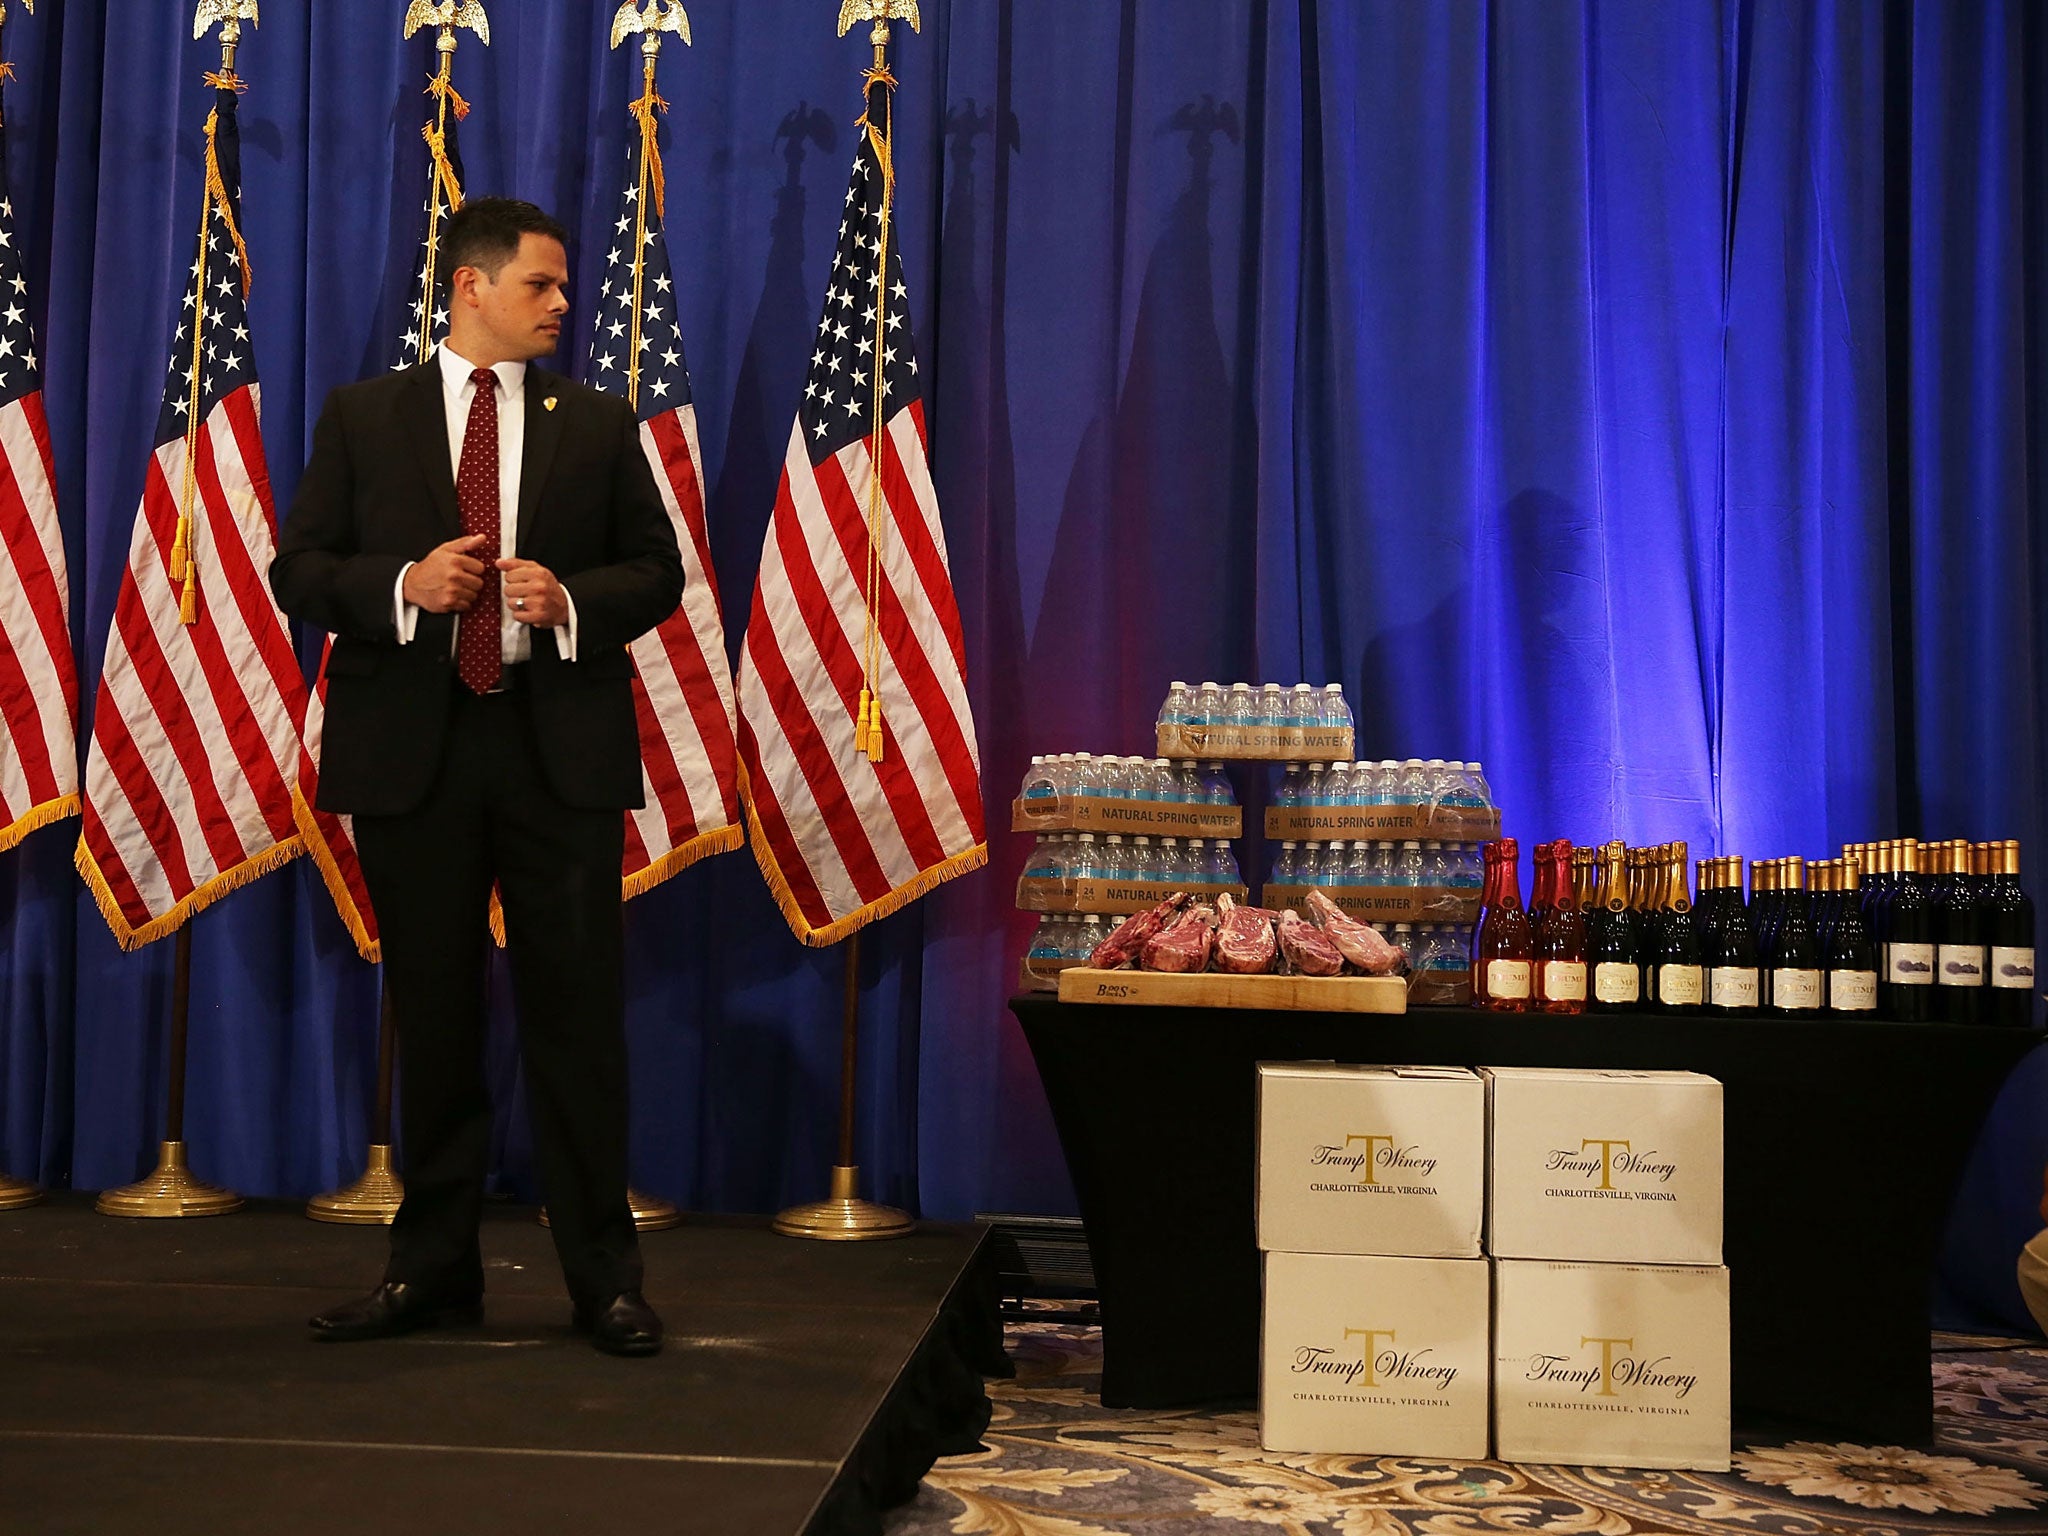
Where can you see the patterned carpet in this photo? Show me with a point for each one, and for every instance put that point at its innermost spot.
(1056, 1463)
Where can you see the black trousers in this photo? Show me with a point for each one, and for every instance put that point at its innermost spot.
(492, 816)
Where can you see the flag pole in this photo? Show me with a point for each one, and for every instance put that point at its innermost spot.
(374, 1198)
(843, 1216)
(16, 1193)
(171, 1189)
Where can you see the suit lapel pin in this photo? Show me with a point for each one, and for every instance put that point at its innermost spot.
(549, 403)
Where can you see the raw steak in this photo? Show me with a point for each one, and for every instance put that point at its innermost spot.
(1130, 935)
(1244, 944)
(1308, 949)
(1360, 943)
(1183, 946)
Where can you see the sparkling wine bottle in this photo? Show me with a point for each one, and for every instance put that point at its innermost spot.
(1501, 949)
(1559, 944)
(1680, 978)
(1616, 981)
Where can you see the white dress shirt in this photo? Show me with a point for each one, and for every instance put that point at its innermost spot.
(457, 391)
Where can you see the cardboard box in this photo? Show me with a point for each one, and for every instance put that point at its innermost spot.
(1383, 903)
(1618, 1167)
(1258, 744)
(1374, 1356)
(1139, 818)
(1116, 897)
(1381, 823)
(1611, 1365)
(1384, 1160)
(1216, 989)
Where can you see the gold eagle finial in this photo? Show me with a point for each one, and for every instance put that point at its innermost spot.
(881, 12)
(659, 16)
(448, 15)
(231, 13)
(26, 5)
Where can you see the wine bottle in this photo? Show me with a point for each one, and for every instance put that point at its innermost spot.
(1733, 982)
(1848, 954)
(1795, 965)
(1617, 982)
(1908, 986)
(1500, 973)
(2009, 938)
(1960, 952)
(1680, 979)
(1559, 945)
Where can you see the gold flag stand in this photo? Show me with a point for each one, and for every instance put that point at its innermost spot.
(843, 1216)
(374, 1198)
(16, 1193)
(172, 1189)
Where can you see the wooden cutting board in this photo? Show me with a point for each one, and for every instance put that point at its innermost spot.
(1210, 989)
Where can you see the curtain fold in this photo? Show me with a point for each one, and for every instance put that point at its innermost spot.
(1647, 402)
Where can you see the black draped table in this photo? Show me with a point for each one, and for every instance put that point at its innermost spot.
(1843, 1144)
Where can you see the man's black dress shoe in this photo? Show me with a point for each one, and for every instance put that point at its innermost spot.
(625, 1325)
(393, 1308)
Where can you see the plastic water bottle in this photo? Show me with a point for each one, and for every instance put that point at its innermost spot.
(1481, 791)
(1335, 711)
(1088, 932)
(1468, 870)
(1436, 782)
(1032, 776)
(1208, 708)
(1301, 707)
(1223, 868)
(1044, 863)
(1241, 710)
(1187, 783)
(1441, 950)
(1179, 701)
(1408, 867)
(1313, 790)
(1288, 795)
(1436, 866)
(1331, 863)
(1413, 786)
(1114, 859)
(1403, 939)
(1088, 858)
(1272, 708)
(1048, 945)
(1216, 788)
(1166, 866)
(1286, 865)
(1358, 868)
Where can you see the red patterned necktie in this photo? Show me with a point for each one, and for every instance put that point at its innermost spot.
(479, 657)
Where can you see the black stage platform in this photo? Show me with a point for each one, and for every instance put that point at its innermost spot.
(156, 1376)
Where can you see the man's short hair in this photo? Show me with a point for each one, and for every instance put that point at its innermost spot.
(485, 232)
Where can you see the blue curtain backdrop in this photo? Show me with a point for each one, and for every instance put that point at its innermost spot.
(1634, 397)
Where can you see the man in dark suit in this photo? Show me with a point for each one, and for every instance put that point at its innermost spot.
(484, 539)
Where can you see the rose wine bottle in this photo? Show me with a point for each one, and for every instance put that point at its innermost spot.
(1559, 944)
(1500, 972)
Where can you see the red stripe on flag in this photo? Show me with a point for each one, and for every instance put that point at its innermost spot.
(680, 468)
(658, 764)
(25, 727)
(918, 541)
(31, 560)
(782, 844)
(251, 587)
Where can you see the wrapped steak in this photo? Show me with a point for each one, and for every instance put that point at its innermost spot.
(1124, 945)
(1245, 945)
(1183, 945)
(1309, 951)
(1360, 943)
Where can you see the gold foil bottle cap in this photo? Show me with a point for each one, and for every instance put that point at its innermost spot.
(1850, 875)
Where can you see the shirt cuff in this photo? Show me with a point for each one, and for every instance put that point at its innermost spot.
(405, 617)
(565, 634)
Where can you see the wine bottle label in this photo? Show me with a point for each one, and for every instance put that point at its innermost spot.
(1959, 965)
(1507, 978)
(1732, 986)
(1564, 981)
(1852, 991)
(1680, 985)
(1616, 981)
(1795, 989)
(1910, 965)
(2011, 967)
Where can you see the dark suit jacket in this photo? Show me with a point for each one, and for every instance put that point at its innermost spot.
(378, 492)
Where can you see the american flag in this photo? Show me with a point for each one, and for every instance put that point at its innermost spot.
(195, 744)
(330, 838)
(38, 682)
(842, 839)
(682, 690)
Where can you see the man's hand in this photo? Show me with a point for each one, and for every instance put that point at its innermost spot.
(536, 597)
(449, 579)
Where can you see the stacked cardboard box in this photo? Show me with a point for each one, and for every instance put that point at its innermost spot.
(1597, 1313)
(1371, 1193)
(1610, 1300)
